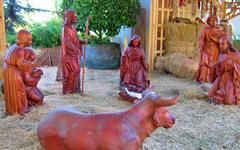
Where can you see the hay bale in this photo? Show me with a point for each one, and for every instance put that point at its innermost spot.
(182, 37)
(159, 65)
(187, 48)
(181, 32)
(193, 93)
(199, 91)
(180, 65)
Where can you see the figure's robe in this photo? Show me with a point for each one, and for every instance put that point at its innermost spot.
(14, 88)
(209, 49)
(226, 88)
(71, 52)
(133, 70)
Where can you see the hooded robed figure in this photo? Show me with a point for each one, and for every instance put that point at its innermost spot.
(71, 53)
(133, 69)
(226, 87)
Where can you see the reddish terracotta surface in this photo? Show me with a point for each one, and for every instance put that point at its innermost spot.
(71, 53)
(209, 49)
(134, 68)
(14, 68)
(226, 88)
(31, 78)
(69, 129)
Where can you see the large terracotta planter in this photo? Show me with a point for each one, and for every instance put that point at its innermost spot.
(104, 56)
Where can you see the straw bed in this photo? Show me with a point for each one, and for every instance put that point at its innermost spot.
(199, 125)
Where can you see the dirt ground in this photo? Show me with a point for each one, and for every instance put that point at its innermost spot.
(199, 125)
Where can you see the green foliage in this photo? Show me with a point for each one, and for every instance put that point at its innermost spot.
(11, 39)
(13, 15)
(236, 42)
(47, 34)
(108, 16)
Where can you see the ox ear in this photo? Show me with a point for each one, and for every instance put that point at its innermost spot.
(156, 119)
(162, 102)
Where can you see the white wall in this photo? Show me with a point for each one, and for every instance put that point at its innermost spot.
(235, 22)
(146, 4)
(126, 33)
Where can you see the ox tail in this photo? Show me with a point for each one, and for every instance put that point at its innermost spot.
(162, 102)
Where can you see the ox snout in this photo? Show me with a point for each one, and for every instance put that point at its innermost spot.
(170, 122)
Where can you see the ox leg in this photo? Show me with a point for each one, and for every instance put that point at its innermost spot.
(131, 145)
(53, 143)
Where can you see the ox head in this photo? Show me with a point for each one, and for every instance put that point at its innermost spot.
(162, 116)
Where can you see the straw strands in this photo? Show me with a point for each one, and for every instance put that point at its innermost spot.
(199, 125)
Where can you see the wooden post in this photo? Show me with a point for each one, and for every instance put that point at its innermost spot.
(2, 29)
(2, 37)
(223, 11)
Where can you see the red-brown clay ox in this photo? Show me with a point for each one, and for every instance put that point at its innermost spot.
(68, 129)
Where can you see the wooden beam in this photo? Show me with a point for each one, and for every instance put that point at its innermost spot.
(2, 37)
(2, 29)
(233, 10)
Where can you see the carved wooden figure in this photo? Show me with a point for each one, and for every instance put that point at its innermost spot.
(31, 78)
(209, 49)
(226, 88)
(134, 68)
(68, 129)
(71, 53)
(14, 66)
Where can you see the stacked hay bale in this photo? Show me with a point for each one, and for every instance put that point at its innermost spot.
(182, 37)
(180, 65)
(181, 55)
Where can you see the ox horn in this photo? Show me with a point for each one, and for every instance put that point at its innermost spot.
(162, 102)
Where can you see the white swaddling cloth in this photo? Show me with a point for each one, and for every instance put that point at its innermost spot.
(133, 94)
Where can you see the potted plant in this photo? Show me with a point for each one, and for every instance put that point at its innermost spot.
(108, 17)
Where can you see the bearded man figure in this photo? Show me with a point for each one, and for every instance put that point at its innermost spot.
(71, 53)
(209, 49)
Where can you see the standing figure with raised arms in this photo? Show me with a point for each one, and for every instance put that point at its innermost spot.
(209, 49)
